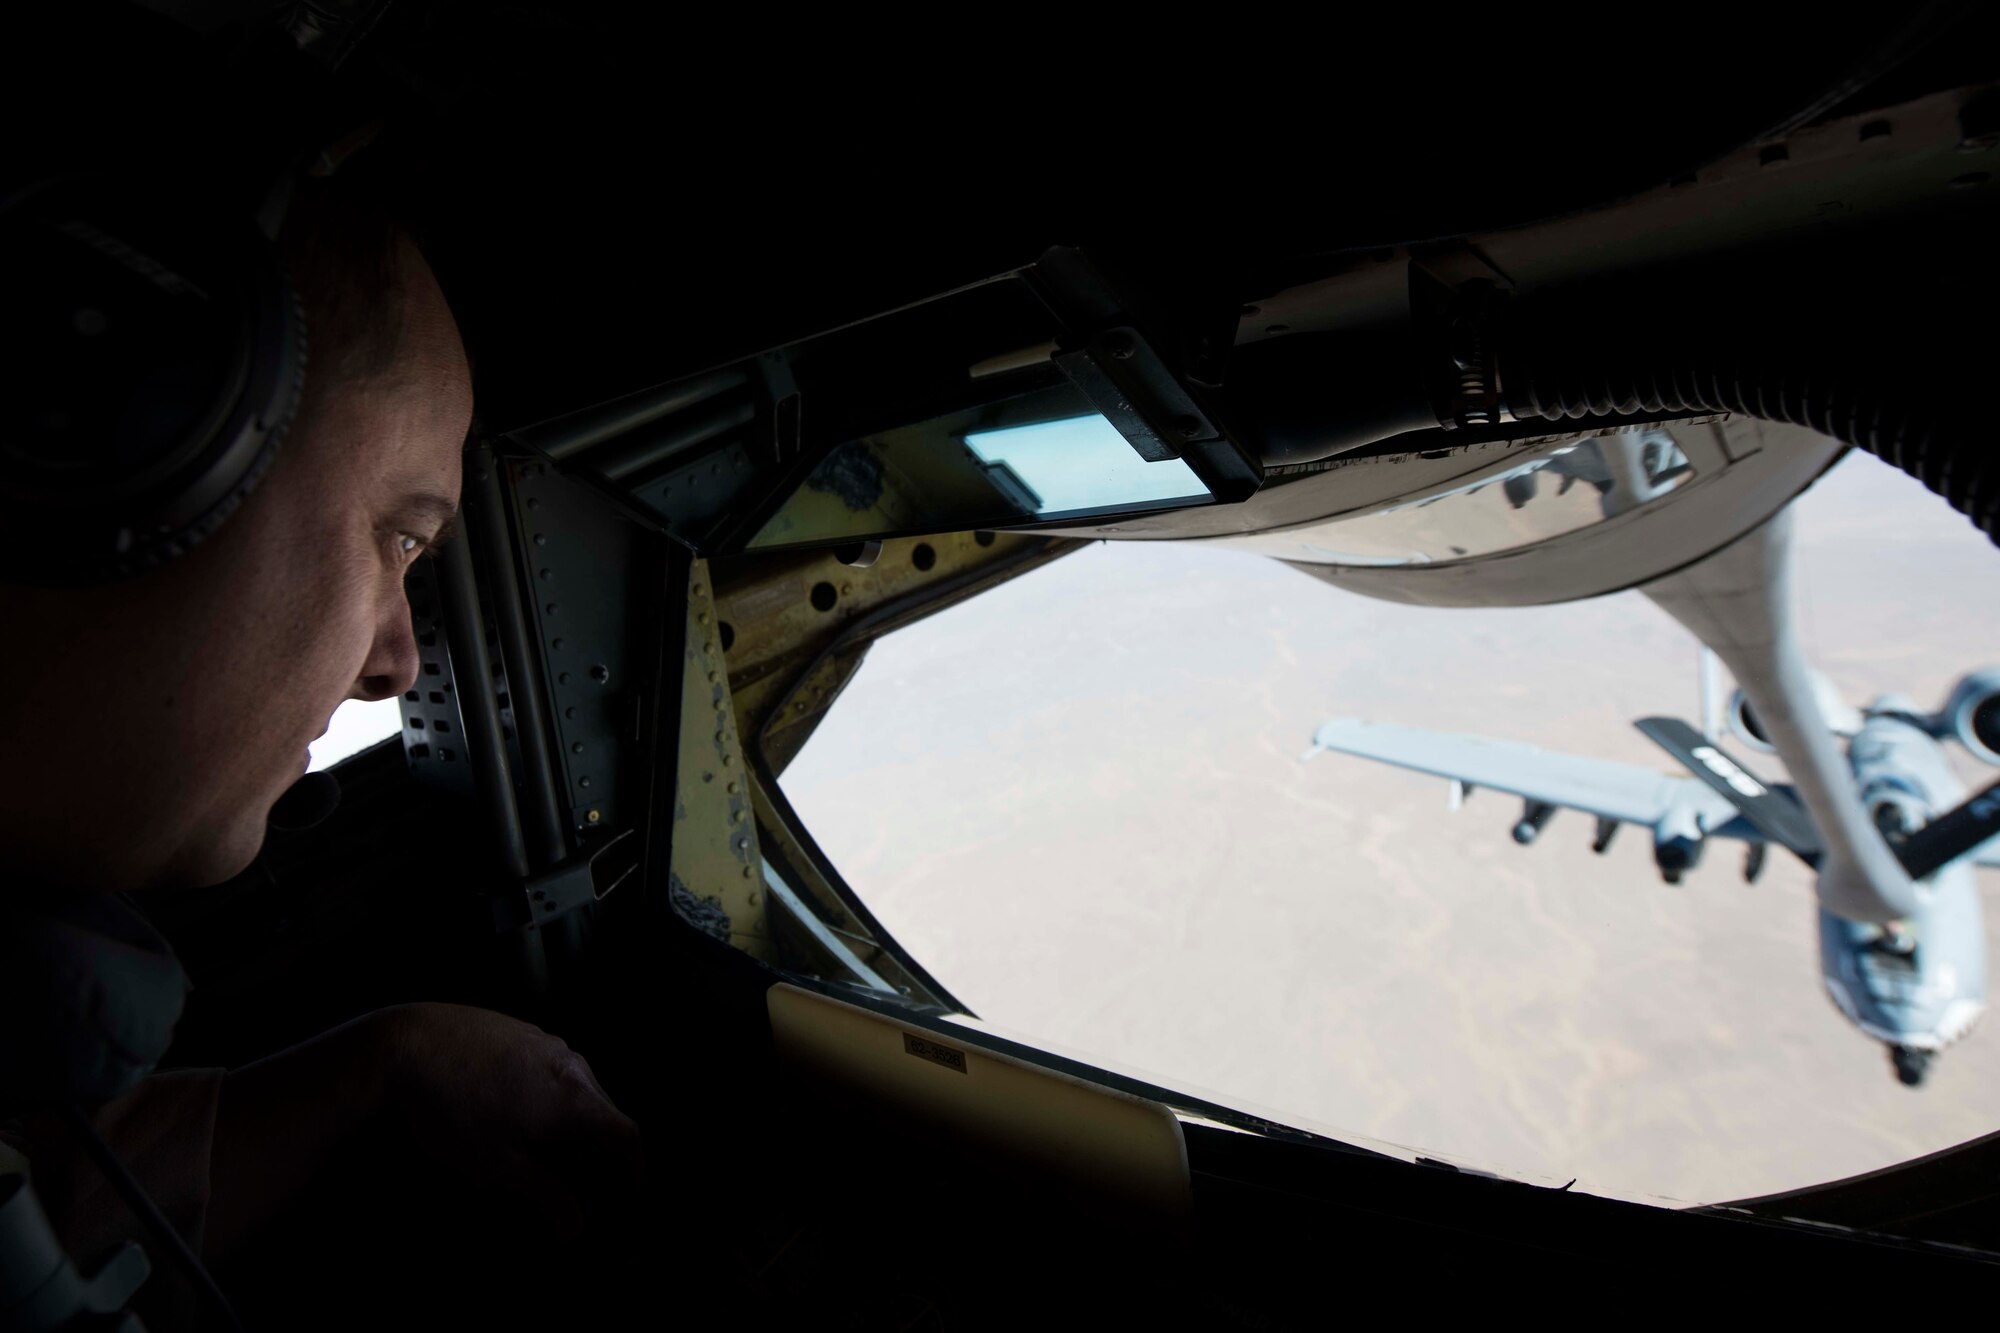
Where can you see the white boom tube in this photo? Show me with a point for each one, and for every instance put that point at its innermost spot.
(1738, 602)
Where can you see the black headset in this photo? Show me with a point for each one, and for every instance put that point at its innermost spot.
(152, 350)
(157, 361)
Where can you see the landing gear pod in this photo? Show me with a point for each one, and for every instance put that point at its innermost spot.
(1675, 856)
(1912, 1066)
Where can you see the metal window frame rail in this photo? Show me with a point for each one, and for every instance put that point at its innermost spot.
(792, 659)
(556, 875)
(708, 458)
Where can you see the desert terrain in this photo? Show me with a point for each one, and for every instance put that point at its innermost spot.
(1079, 801)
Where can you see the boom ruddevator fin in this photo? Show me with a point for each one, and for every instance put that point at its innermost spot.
(1773, 813)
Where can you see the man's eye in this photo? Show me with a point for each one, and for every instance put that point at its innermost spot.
(411, 547)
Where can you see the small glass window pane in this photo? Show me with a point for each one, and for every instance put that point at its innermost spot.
(1082, 463)
(1040, 455)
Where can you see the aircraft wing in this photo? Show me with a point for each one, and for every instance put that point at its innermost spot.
(1596, 786)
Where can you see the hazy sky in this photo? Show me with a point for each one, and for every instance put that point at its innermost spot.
(1078, 800)
(355, 727)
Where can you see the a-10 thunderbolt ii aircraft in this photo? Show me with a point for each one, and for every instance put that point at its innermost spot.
(1901, 935)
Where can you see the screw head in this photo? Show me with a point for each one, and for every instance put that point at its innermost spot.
(1187, 427)
(1121, 346)
(592, 816)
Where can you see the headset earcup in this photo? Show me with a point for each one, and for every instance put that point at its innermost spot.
(157, 363)
(287, 388)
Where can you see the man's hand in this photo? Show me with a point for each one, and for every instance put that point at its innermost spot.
(507, 1108)
(499, 1107)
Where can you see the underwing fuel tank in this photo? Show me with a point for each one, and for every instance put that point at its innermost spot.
(1534, 816)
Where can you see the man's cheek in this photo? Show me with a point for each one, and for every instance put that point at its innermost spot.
(338, 639)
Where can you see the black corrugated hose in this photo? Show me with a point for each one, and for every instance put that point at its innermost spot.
(1893, 348)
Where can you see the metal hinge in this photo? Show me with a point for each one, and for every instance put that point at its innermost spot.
(588, 877)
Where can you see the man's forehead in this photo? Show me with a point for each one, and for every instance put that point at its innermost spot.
(426, 407)
(407, 445)
(419, 500)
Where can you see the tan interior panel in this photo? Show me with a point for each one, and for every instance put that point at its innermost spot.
(1123, 1152)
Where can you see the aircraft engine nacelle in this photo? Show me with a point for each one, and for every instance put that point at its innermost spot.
(1743, 722)
(1841, 717)
(1972, 714)
(1896, 814)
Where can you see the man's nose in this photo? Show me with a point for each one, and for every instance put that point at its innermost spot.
(391, 666)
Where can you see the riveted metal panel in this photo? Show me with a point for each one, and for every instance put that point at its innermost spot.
(433, 728)
(585, 567)
(717, 876)
(434, 736)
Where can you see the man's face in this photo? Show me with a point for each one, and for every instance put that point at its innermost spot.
(198, 687)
